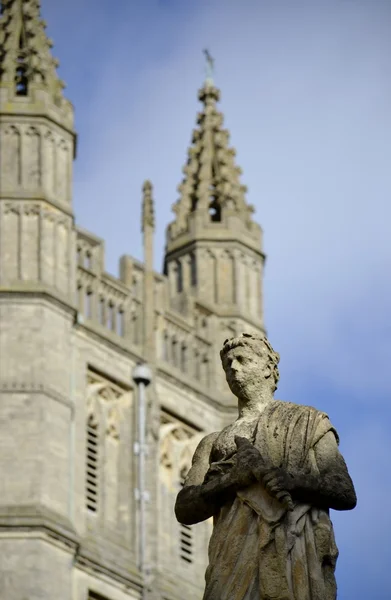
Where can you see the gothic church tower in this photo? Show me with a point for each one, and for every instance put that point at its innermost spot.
(214, 251)
(37, 294)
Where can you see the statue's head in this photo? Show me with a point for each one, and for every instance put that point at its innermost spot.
(250, 363)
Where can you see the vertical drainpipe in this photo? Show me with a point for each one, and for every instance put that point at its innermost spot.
(142, 376)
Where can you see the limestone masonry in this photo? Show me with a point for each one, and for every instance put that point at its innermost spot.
(71, 334)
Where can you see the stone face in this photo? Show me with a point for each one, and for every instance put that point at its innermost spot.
(268, 480)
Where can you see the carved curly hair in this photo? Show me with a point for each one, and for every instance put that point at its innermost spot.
(259, 345)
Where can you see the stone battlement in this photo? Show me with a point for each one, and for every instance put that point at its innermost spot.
(114, 308)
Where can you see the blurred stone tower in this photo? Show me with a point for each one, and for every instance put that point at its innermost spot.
(214, 257)
(70, 335)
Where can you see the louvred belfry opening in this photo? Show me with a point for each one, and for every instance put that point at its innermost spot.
(21, 73)
(186, 542)
(92, 465)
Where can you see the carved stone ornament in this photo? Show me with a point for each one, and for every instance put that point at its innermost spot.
(211, 178)
(105, 402)
(25, 49)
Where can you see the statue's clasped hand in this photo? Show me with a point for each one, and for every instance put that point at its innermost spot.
(250, 467)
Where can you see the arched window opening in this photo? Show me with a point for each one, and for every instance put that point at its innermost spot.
(88, 260)
(184, 358)
(88, 304)
(197, 369)
(111, 316)
(21, 41)
(136, 326)
(121, 322)
(102, 311)
(165, 346)
(179, 274)
(79, 256)
(215, 211)
(193, 269)
(21, 79)
(135, 287)
(174, 352)
(80, 297)
(92, 466)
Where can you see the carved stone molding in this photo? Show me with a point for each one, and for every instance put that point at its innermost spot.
(176, 448)
(105, 402)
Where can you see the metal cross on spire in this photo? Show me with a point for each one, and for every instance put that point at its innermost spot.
(209, 66)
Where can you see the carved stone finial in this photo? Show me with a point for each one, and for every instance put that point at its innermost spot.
(211, 183)
(148, 212)
(25, 56)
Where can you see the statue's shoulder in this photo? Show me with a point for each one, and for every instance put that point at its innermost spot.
(301, 417)
(292, 407)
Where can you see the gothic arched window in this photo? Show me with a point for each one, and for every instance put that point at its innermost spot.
(88, 303)
(179, 274)
(215, 211)
(21, 81)
(183, 358)
(120, 322)
(102, 310)
(106, 400)
(193, 269)
(178, 442)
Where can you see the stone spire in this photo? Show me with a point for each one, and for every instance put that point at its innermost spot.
(213, 255)
(148, 226)
(211, 185)
(148, 212)
(26, 61)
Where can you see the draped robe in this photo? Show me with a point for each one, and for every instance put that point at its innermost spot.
(260, 551)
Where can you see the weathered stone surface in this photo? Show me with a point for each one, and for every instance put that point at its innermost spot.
(269, 480)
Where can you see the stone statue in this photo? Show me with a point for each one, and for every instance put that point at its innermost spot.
(268, 480)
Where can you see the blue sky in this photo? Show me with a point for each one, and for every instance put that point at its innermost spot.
(306, 93)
